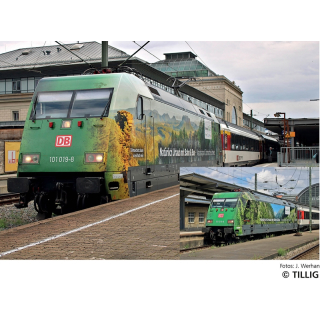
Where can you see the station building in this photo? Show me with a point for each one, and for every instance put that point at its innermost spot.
(303, 197)
(185, 65)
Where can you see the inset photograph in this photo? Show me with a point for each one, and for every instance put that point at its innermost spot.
(249, 213)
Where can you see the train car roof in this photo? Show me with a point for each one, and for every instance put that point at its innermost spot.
(171, 99)
(94, 81)
(306, 208)
(260, 197)
(233, 128)
(269, 138)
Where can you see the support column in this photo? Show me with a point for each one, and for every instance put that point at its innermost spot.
(104, 55)
(292, 144)
(183, 195)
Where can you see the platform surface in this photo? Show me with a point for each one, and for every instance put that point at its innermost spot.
(142, 227)
(251, 250)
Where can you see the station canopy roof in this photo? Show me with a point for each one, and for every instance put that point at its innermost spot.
(198, 184)
(306, 129)
(55, 55)
(194, 184)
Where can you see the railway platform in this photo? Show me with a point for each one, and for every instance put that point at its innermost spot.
(142, 227)
(263, 249)
(3, 182)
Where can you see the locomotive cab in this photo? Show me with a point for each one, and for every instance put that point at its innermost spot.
(222, 216)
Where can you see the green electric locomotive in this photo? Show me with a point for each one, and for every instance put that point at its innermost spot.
(94, 138)
(235, 215)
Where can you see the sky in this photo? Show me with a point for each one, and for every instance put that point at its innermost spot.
(269, 180)
(275, 76)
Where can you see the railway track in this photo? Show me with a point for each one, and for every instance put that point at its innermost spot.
(9, 198)
(309, 254)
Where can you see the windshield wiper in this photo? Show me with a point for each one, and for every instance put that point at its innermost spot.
(107, 106)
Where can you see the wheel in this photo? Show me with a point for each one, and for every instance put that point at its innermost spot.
(212, 235)
(104, 199)
(42, 208)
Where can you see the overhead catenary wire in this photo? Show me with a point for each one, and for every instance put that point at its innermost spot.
(39, 54)
(196, 54)
(146, 50)
(141, 47)
(252, 183)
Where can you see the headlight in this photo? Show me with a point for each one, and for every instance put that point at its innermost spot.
(66, 124)
(230, 221)
(94, 157)
(209, 221)
(31, 158)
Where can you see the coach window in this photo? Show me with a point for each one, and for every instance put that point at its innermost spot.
(243, 143)
(140, 108)
(237, 142)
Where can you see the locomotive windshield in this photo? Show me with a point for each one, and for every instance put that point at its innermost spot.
(90, 103)
(53, 104)
(224, 203)
(72, 104)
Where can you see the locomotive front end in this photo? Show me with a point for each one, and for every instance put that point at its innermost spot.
(65, 145)
(222, 217)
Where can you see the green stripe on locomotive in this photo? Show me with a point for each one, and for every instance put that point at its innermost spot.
(245, 208)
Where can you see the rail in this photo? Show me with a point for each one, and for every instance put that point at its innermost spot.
(306, 252)
(9, 198)
(298, 156)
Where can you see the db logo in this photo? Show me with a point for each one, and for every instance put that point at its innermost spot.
(63, 141)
